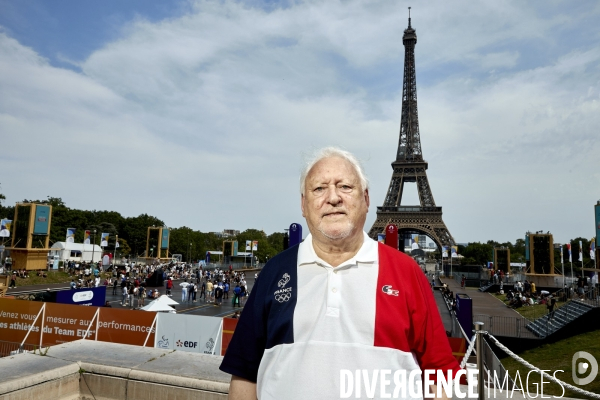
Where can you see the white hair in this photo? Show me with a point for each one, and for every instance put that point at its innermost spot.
(328, 152)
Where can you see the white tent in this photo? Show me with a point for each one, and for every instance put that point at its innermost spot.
(155, 305)
(164, 299)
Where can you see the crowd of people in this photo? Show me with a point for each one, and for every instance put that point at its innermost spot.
(197, 284)
(213, 287)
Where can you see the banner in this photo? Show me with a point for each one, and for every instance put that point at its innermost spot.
(527, 247)
(454, 251)
(445, 251)
(255, 245)
(562, 257)
(164, 241)
(569, 248)
(104, 239)
(414, 241)
(41, 224)
(229, 325)
(248, 245)
(295, 234)
(5, 226)
(191, 333)
(64, 323)
(86, 237)
(84, 297)
(390, 237)
(597, 212)
(580, 251)
(593, 248)
(70, 235)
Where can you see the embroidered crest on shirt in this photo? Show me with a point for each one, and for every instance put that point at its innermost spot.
(387, 289)
(283, 294)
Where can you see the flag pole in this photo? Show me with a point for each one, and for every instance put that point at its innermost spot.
(115, 251)
(451, 262)
(581, 256)
(562, 266)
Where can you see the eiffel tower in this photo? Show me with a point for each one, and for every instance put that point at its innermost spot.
(409, 166)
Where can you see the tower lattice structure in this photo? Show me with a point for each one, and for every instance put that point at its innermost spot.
(410, 166)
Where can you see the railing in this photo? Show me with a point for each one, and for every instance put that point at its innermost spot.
(7, 347)
(494, 366)
(506, 326)
(592, 297)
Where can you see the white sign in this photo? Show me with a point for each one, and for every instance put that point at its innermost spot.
(83, 296)
(191, 333)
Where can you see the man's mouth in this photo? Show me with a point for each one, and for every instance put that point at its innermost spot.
(333, 214)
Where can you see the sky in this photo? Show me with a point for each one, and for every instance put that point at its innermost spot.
(201, 113)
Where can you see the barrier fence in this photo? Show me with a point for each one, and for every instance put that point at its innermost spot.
(506, 326)
(32, 325)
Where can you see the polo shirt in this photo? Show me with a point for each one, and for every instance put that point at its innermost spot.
(306, 321)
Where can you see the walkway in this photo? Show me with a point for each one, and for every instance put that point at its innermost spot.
(483, 303)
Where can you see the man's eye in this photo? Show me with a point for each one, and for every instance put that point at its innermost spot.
(345, 188)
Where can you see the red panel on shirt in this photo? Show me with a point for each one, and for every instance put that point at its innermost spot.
(408, 320)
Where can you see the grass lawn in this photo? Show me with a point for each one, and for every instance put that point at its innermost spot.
(53, 277)
(530, 312)
(553, 357)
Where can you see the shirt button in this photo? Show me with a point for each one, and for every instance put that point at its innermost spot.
(334, 290)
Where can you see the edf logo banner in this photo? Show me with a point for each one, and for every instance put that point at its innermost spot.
(191, 333)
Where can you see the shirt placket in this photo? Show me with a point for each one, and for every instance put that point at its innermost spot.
(334, 291)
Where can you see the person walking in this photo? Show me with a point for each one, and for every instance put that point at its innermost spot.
(169, 286)
(209, 290)
(184, 285)
(203, 290)
(236, 295)
(226, 290)
(125, 295)
(141, 296)
(218, 294)
(191, 292)
(13, 280)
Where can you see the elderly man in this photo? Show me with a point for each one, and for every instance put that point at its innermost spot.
(330, 315)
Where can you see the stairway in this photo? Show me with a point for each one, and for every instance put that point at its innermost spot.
(574, 309)
(485, 287)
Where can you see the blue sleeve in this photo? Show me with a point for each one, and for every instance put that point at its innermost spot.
(265, 321)
(249, 339)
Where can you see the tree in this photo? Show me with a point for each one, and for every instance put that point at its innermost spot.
(478, 253)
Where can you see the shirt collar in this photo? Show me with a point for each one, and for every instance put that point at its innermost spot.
(366, 254)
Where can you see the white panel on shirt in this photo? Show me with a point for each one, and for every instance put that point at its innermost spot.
(336, 304)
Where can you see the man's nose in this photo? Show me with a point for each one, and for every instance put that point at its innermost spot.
(333, 196)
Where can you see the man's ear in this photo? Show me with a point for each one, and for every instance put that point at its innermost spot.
(302, 204)
(367, 200)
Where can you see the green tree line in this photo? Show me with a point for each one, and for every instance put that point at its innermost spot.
(132, 232)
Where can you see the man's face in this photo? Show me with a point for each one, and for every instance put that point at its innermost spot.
(334, 204)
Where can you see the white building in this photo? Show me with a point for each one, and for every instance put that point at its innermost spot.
(66, 251)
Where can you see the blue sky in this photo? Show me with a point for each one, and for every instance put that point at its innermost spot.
(214, 104)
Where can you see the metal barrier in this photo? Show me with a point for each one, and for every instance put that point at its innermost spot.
(506, 326)
(494, 366)
(7, 347)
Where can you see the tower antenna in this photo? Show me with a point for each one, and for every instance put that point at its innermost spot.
(409, 17)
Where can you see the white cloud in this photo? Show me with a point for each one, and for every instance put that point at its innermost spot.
(202, 120)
